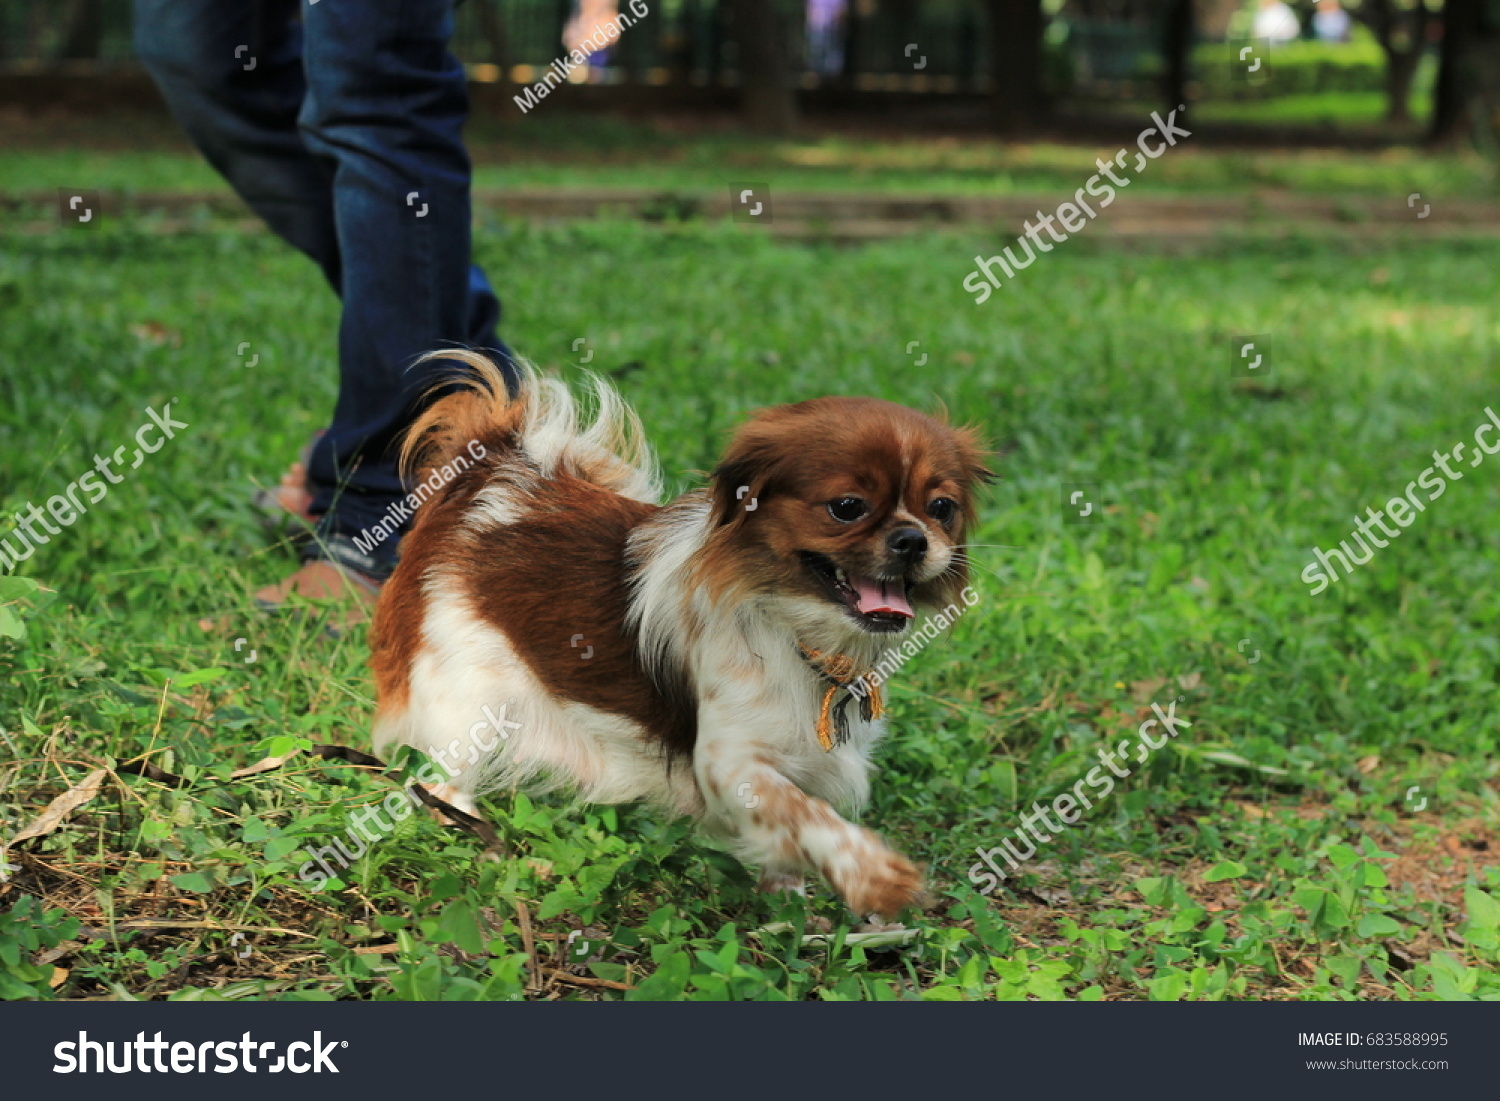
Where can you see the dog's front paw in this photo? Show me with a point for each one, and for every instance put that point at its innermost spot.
(884, 883)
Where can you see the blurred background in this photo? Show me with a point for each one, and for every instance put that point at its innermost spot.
(866, 118)
(1374, 71)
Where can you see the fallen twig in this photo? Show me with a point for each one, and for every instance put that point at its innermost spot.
(150, 772)
(463, 820)
(584, 980)
(528, 942)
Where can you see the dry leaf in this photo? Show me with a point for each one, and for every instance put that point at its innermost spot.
(155, 333)
(265, 764)
(1368, 764)
(1145, 691)
(64, 805)
(1189, 681)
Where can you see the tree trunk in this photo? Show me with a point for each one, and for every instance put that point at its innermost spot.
(1399, 70)
(904, 19)
(85, 32)
(633, 45)
(678, 44)
(854, 37)
(1176, 48)
(1389, 23)
(492, 26)
(1016, 64)
(1451, 96)
(767, 100)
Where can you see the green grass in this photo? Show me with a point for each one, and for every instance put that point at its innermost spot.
(145, 153)
(1269, 852)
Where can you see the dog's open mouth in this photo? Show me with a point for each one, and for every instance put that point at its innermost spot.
(878, 604)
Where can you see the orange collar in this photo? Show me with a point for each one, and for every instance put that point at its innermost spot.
(839, 672)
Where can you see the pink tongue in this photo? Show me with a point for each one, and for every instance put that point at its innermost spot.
(881, 596)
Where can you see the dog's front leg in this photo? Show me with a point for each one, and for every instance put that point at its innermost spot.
(775, 824)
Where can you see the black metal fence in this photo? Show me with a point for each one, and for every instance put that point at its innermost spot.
(913, 46)
(934, 45)
(692, 41)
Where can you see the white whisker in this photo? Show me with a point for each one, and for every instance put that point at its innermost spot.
(977, 565)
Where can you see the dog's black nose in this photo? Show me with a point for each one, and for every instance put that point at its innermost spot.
(907, 543)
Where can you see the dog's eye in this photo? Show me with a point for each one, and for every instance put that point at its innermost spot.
(942, 509)
(846, 510)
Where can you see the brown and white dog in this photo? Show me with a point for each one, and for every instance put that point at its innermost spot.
(707, 655)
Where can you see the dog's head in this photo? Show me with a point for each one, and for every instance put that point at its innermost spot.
(851, 510)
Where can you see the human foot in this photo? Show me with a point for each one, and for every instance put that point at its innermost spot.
(292, 496)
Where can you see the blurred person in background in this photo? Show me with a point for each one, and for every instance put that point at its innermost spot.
(1331, 22)
(1275, 22)
(590, 16)
(825, 36)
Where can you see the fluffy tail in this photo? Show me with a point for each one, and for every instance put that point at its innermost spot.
(545, 423)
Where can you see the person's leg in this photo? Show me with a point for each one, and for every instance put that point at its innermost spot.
(244, 119)
(385, 108)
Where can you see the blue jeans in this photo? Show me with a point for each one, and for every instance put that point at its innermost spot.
(339, 123)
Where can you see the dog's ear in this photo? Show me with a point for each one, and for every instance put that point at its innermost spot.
(971, 446)
(748, 472)
(976, 455)
(739, 484)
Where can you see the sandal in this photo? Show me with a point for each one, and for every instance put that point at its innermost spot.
(333, 568)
